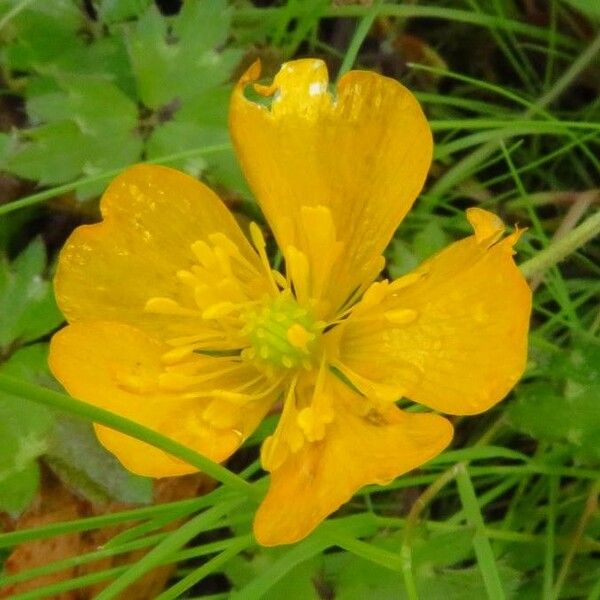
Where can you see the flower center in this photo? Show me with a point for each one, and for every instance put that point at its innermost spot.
(282, 334)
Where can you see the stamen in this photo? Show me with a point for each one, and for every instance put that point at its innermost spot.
(406, 280)
(299, 337)
(135, 382)
(232, 250)
(258, 241)
(287, 438)
(280, 280)
(281, 333)
(199, 339)
(221, 309)
(204, 254)
(168, 306)
(298, 272)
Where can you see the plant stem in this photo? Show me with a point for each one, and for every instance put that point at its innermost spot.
(42, 395)
(44, 195)
(481, 542)
(466, 166)
(360, 34)
(590, 509)
(563, 247)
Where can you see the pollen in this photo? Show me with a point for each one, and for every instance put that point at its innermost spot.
(282, 334)
(299, 337)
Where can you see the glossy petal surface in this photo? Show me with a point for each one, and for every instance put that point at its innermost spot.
(356, 157)
(119, 368)
(152, 216)
(180, 324)
(358, 449)
(452, 335)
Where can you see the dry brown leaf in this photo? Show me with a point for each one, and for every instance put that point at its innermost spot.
(55, 504)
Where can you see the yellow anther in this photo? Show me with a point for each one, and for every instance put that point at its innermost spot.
(298, 336)
(282, 334)
(175, 382)
(258, 239)
(401, 316)
(218, 310)
(280, 280)
(136, 383)
(168, 306)
(187, 278)
(375, 294)
(406, 280)
(313, 422)
(203, 253)
(175, 355)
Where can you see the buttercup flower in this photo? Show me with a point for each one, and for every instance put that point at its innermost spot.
(178, 322)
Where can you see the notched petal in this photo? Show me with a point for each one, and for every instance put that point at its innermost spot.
(299, 88)
(489, 227)
(360, 447)
(360, 151)
(154, 217)
(486, 225)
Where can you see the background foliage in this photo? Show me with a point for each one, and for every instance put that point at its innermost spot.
(511, 90)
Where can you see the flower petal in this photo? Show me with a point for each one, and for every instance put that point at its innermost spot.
(357, 449)
(152, 217)
(452, 335)
(119, 368)
(359, 153)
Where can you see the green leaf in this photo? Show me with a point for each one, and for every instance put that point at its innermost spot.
(203, 24)
(31, 364)
(542, 413)
(590, 8)
(29, 430)
(76, 456)
(567, 408)
(4, 147)
(40, 34)
(35, 157)
(354, 578)
(174, 64)
(201, 121)
(175, 136)
(47, 108)
(404, 257)
(443, 549)
(18, 489)
(24, 425)
(99, 107)
(90, 121)
(348, 577)
(53, 39)
(12, 225)
(208, 108)
(429, 240)
(178, 136)
(15, 454)
(299, 584)
(401, 259)
(115, 11)
(26, 299)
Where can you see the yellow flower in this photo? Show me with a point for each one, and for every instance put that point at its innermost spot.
(179, 323)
